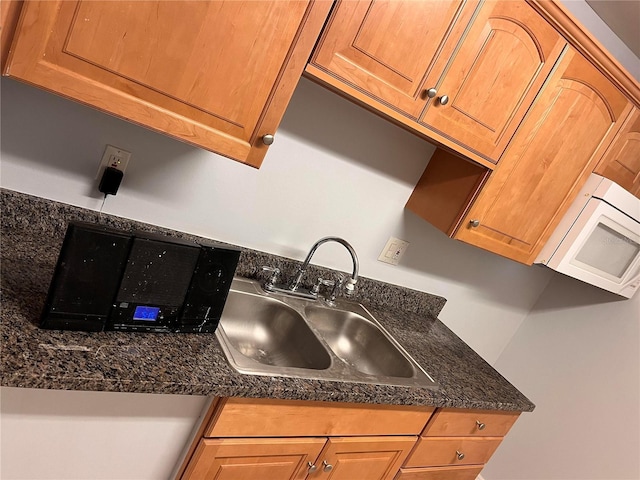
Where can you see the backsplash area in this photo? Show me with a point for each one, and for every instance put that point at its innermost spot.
(26, 215)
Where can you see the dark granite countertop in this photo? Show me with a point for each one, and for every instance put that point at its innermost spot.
(32, 232)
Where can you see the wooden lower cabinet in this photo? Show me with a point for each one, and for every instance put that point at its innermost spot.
(255, 458)
(349, 458)
(456, 444)
(370, 458)
(293, 440)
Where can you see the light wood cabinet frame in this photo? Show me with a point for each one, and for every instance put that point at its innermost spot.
(297, 437)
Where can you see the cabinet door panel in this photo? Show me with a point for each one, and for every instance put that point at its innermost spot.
(205, 72)
(503, 61)
(373, 458)
(547, 162)
(621, 163)
(388, 49)
(242, 459)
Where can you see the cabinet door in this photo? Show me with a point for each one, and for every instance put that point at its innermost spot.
(500, 67)
(548, 161)
(251, 459)
(214, 74)
(621, 163)
(388, 49)
(371, 458)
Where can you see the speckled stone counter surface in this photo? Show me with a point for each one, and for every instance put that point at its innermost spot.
(32, 233)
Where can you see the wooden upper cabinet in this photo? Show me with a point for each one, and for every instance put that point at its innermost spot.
(462, 73)
(390, 49)
(621, 163)
(215, 74)
(558, 145)
(502, 62)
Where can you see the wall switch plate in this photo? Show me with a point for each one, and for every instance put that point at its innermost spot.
(393, 251)
(113, 157)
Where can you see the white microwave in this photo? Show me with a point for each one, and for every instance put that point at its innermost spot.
(598, 239)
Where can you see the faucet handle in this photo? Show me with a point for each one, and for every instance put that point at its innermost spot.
(350, 288)
(337, 288)
(316, 288)
(270, 283)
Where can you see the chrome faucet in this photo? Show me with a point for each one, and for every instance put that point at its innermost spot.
(294, 287)
(350, 286)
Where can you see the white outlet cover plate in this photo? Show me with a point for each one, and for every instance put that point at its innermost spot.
(113, 157)
(393, 251)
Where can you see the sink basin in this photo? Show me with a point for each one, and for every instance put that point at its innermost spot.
(278, 335)
(269, 332)
(358, 342)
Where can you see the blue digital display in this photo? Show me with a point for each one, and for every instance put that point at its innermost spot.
(149, 314)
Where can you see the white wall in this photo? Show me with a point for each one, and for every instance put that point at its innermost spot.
(334, 169)
(577, 356)
(56, 435)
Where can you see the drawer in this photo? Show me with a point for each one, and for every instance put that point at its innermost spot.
(440, 473)
(485, 423)
(440, 451)
(251, 417)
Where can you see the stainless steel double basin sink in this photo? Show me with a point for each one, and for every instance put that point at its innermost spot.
(277, 335)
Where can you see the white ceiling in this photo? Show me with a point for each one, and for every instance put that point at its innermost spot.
(623, 17)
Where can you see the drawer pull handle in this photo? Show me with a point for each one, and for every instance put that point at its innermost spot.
(312, 467)
(480, 425)
(327, 466)
(460, 455)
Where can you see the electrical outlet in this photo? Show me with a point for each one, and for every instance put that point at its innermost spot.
(393, 251)
(113, 157)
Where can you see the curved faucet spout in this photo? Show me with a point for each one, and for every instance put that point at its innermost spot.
(303, 268)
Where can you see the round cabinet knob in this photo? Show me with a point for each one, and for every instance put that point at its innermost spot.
(267, 139)
(474, 223)
(327, 466)
(432, 92)
(480, 425)
(459, 455)
(444, 99)
(312, 467)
